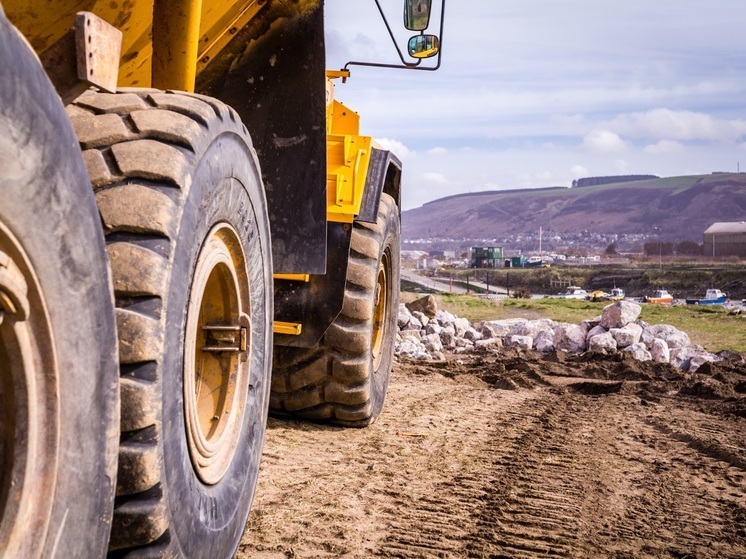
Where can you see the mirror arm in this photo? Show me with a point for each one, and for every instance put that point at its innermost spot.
(404, 64)
(391, 34)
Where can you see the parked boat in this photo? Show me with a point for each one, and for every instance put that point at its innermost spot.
(599, 295)
(712, 297)
(659, 297)
(574, 292)
(616, 294)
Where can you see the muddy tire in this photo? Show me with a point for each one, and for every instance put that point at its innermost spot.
(59, 396)
(179, 190)
(345, 378)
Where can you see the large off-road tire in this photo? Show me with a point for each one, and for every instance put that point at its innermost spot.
(345, 378)
(59, 395)
(178, 186)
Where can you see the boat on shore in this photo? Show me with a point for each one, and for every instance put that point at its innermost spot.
(659, 297)
(574, 292)
(616, 294)
(712, 297)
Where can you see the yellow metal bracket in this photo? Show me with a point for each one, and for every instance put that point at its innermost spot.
(347, 156)
(289, 328)
(336, 74)
(293, 277)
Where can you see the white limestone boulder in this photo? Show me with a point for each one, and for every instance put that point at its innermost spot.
(602, 342)
(619, 314)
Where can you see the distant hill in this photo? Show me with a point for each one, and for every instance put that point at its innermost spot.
(682, 207)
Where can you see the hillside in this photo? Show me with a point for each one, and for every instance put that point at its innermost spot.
(681, 207)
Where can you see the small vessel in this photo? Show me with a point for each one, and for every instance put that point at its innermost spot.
(616, 294)
(574, 292)
(599, 295)
(659, 297)
(712, 297)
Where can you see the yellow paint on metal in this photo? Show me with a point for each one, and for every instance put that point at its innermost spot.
(293, 277)
(347, 160)
(289, 328)
(187, 33)
(334, 74)
(176, 43)
(221, 20)
(380, 303)
(45, 23)
(217, 354)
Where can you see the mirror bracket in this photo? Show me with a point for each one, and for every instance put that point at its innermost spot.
(404, 64)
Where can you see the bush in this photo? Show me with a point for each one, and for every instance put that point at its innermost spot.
(521, 293)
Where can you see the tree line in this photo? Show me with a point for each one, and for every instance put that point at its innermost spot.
(594, 181)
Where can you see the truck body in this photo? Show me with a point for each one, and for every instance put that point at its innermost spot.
(193, 231)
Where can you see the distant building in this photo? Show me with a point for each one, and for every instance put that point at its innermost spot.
(515, 261)
(487, 257)
(725, 239)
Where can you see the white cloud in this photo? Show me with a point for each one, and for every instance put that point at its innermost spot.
(668, 103)
(578, 171)
(397, 148)
(678, 125)
(665, 147)
(604, 141)
(435, 178)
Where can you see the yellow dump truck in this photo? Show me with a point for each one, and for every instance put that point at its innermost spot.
(182, 203)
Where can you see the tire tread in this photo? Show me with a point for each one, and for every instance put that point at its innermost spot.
(335, 382)
(135, 142)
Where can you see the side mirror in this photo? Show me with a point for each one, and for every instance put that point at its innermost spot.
(423, 46)
(417, 14)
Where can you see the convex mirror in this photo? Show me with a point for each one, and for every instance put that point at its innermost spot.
(417, 14)
(423, 46)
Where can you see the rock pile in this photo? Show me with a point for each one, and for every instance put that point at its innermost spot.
(427, 333)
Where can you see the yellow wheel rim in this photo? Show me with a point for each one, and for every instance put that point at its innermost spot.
(217, 349)
(380, 304)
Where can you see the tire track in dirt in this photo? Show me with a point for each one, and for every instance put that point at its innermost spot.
(583, 476)
(442, 524)
(456, 468)
(599, 480)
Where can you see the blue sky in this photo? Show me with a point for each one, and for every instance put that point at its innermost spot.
(535, 93)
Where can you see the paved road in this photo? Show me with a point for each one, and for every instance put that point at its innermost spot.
(444, 284)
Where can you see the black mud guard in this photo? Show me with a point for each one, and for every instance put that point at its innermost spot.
(315, 303)
(384, 175)
(277, 84)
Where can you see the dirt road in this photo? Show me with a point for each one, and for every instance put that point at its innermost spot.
(516, 456)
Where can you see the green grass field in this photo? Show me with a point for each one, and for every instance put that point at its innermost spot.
(711, 326)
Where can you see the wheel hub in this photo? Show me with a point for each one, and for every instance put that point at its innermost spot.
(216, 364)
(380, 302)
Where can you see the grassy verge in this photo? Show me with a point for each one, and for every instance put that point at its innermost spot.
(709, 326)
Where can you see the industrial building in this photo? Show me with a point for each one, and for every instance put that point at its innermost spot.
(725, 239)
(487, 257)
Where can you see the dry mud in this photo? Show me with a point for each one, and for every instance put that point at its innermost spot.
(516, 455)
